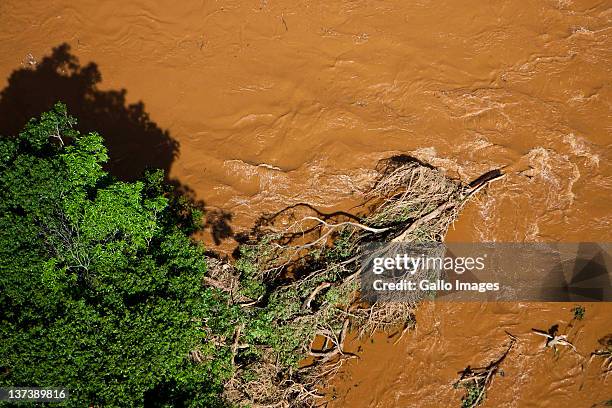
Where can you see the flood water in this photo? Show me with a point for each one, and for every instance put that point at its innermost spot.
(252, 106)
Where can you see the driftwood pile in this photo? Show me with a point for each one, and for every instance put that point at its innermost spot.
(310, 258)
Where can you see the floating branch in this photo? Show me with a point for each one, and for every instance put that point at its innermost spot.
(553, 339)
(605, 353)
(476, 381)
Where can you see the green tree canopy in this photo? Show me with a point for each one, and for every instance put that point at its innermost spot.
(100, 285)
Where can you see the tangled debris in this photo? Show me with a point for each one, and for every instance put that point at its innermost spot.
(476, 381)
(553, 339)
(297, 281)
(604, 353)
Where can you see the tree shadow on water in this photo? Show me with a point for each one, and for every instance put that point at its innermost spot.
(135, 143)
(133, 140)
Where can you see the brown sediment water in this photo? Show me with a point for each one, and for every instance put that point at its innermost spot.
(419, 369)
(257, 105)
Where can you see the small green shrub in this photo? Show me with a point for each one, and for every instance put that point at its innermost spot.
(471, 396)
(578, 312)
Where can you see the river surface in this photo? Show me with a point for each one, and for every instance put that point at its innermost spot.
(252, 106)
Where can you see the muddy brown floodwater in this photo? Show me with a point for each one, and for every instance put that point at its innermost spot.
(255, 105)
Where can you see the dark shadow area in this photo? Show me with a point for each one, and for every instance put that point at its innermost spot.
(489, 175)
(135, 143)
(589, 279)
(219, 223)
(390, 164)
(606, 341)
(171, 394)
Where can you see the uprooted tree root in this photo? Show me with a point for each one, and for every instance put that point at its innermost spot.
(476, 381)
(297, 279)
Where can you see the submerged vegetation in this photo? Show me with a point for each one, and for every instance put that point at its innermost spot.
(578, 312)
(299, 270)
(104, 292)
(476, 381)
